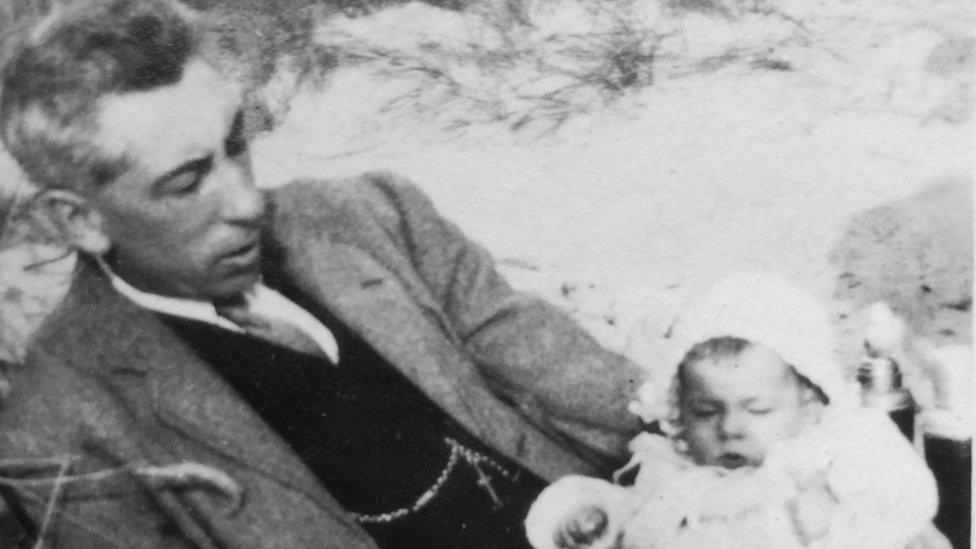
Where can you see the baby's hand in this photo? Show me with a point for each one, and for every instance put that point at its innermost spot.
(583, 529)
(577, 512)
(812, 508)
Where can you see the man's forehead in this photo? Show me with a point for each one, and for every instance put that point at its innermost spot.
(166, 125)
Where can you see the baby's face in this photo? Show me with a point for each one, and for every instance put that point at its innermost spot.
(734, 408)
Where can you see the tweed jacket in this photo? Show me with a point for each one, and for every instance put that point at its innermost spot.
(110, 385)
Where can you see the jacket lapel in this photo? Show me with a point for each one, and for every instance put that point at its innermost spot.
(368, 298)
(121, 339)
(191, 398)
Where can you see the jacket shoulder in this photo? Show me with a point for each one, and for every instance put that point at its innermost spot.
(373, 207)
(374, 191)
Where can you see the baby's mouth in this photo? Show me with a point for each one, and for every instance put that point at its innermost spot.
(732, 460)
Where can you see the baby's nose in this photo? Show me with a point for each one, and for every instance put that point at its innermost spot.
(732, 425)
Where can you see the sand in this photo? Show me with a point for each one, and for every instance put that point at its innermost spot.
(757, 145)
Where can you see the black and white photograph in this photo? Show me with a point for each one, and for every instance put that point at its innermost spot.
(487, 274)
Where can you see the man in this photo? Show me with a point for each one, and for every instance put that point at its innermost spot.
(327, 365)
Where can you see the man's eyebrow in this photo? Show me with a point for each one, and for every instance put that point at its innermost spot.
(235, 141)
(201, 165)
(237, 125)
(236, 130)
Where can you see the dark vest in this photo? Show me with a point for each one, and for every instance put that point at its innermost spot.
(373, 438)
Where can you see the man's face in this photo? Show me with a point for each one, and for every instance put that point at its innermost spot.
(734, 408)
(184, 219)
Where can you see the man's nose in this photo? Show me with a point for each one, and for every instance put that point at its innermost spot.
(732, 425)
(241, 201)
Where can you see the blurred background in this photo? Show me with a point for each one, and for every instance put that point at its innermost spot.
(616, 156)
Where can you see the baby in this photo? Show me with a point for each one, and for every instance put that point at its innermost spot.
(764, 445)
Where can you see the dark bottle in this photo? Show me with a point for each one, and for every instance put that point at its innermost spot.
(881, 387)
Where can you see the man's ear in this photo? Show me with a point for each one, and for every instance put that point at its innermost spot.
(73, 220)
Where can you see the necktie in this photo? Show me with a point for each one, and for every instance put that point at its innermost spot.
(272, 329)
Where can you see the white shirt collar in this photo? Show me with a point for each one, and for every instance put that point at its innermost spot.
(260, 298)
(194, 309)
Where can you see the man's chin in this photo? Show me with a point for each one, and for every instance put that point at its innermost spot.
(238, 284)
(232, 284)
(237, 273)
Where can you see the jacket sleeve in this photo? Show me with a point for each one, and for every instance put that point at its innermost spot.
(65, 456)
(532, 354)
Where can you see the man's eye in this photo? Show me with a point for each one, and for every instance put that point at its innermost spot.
(187, 178)
(184, 184)
(760, 411)
(235, 145)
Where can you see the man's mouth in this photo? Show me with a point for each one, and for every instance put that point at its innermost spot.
(244, 254)
(243, 249)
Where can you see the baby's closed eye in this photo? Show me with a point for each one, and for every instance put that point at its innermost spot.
(760, 411)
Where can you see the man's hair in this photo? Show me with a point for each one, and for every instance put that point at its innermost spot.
(51, 85)
(727, 347)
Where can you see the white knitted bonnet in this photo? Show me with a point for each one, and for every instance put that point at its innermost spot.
(762, 309)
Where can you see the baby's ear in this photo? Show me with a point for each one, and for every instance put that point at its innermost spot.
(812, 406)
